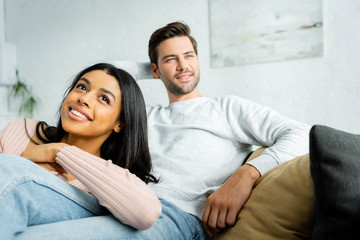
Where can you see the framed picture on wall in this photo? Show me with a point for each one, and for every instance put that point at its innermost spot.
(257, 31)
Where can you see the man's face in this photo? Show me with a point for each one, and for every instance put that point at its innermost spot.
(178, 66)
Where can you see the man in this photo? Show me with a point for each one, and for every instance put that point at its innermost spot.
(198, 147)
(198, 144)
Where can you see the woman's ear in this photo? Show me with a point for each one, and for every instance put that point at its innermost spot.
(118, 127)
(155, 71)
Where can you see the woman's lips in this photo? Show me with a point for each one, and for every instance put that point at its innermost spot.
(79, 113)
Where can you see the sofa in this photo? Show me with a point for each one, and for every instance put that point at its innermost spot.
(315, 196)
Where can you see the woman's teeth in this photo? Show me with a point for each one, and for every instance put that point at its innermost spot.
(78, 114)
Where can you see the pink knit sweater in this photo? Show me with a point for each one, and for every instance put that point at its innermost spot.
(127, 197)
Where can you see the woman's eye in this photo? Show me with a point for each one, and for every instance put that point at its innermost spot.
(81, 86)
(105, 99)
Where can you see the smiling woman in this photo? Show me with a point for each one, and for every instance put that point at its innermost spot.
(92, 110)
(102, 116)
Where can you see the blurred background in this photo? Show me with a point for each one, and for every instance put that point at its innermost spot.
(49, 41)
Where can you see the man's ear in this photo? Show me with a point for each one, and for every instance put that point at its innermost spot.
(155, 71)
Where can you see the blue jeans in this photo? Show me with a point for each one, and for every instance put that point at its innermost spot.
(34, 204)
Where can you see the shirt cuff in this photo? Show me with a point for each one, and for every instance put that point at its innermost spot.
(263, 163)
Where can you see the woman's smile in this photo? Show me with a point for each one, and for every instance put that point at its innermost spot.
(76, 113)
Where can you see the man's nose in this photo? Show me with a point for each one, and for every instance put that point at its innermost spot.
(182, 64)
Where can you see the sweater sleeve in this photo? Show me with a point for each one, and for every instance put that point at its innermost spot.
(127, 197)
(254, 124)
(16, 136)
(2, 136)
(8, 136)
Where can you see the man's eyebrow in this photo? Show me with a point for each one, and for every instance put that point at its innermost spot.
(189, 52)
(101, 89)
(173, 55)
(168, 56)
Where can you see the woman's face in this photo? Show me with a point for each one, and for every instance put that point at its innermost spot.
(92, 108)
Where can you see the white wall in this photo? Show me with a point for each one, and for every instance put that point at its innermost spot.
(2, 21)
(3, 89)
(56, 39)
(5, 115)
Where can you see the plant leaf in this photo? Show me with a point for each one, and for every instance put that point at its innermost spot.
(27, 107)
(19, 89)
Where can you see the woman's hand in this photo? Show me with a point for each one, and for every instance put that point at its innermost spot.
(44, 155)
(43, 152)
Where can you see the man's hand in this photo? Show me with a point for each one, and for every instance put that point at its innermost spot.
(225, 203)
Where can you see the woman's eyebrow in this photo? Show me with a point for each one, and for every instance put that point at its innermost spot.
(85, 80)
(101, 89)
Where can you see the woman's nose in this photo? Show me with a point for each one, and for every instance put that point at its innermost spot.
(85, 100)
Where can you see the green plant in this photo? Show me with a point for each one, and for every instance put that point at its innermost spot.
(23, 92)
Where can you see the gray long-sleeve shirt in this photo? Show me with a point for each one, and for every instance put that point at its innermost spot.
(197, 144)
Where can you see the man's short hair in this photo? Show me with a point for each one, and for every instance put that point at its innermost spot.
(171, 30)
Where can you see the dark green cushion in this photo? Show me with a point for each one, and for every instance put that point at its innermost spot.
(335, 170)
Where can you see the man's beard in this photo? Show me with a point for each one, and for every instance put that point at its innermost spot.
(177, 90)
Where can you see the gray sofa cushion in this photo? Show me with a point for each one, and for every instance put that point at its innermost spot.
(335, 170)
